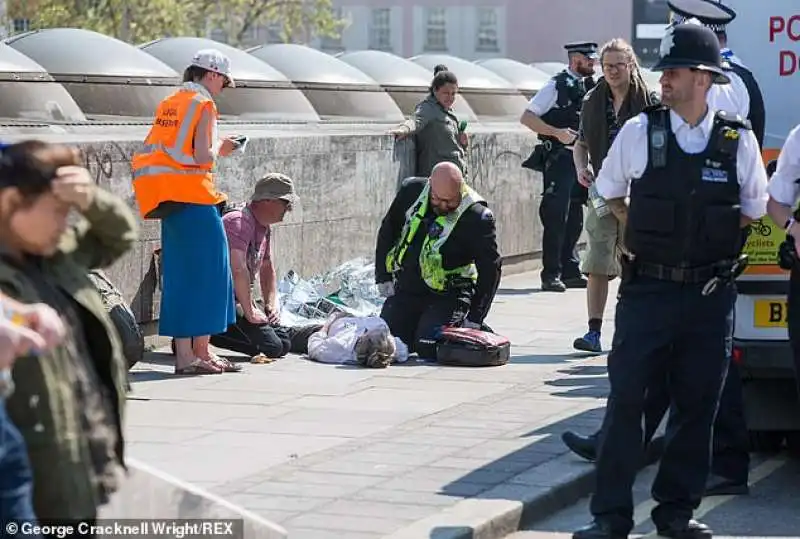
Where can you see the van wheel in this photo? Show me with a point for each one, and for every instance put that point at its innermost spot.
(766, 441)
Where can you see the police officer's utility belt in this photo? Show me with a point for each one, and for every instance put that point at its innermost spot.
(678, 275)
(725, 271)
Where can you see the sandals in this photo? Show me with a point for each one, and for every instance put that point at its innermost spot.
(225, 364)
(199, 367)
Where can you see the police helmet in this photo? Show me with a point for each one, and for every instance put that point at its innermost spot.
(692, 46)
(711, 13)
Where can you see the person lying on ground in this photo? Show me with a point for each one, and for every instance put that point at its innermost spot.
(366, 340)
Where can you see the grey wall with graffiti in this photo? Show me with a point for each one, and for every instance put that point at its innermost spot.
(346, 181)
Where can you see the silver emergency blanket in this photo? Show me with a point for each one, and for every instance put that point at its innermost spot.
(349, 288)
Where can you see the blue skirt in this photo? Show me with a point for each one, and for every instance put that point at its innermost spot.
(197, 297)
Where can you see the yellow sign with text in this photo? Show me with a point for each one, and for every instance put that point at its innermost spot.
(770, 313)
(763, 240)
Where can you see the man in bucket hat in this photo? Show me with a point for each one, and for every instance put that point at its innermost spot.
(694, 178)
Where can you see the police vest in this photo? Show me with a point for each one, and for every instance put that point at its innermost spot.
(685, 209)
(166, 171)
(430, 259)
(567, 110)
(757, 113)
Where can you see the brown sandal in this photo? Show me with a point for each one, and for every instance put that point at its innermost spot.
(199, 367)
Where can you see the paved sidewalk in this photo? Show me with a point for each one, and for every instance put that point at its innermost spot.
(335, 452)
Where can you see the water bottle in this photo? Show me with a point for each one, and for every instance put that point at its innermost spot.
(598, 202)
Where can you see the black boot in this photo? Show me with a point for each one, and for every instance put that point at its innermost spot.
(686, 530)
(583, 446)
(553, 285)
(598, 530)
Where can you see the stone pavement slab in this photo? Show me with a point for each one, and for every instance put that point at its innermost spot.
(338, 451)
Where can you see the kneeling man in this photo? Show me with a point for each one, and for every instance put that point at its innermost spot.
(257, 330)
(436, 261)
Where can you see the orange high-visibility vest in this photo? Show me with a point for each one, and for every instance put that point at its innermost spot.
(166, 170)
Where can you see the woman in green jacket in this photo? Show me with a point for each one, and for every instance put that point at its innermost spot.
(438, 135)
(68, 401)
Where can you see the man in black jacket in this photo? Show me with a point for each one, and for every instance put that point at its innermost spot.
(436, 259)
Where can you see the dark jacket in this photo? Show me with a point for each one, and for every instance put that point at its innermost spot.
(594, 115)
(44, 406)
(474, 239)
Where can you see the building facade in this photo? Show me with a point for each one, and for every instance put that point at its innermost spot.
(525, 30)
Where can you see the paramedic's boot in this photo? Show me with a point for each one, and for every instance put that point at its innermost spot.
(589, 342)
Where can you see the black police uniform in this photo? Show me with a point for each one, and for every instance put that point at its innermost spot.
(684, 233)
(731, 462)
(416, 313)
(561, 209)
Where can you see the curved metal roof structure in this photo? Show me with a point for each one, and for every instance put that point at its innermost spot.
(525, 78)
(104, 75)
(405, 81)
(551, 68)
(261, 90)
(335, 88)
(489, 94)
(28, 91)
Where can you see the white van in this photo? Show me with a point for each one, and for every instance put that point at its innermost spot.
(766, 36)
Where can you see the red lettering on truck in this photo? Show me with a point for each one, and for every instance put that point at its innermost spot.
(779, 25)
(788, 61)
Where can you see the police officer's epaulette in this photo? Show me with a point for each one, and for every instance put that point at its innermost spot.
(732, 120)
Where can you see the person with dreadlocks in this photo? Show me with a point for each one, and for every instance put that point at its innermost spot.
(618, 96)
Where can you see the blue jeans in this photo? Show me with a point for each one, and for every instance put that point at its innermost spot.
(16, 476)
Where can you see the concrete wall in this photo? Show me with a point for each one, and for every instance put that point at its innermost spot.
(346, 178)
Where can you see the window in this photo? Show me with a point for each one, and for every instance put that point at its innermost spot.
(334, 43)
(436, 30)
(380, 31)
(21, 25)
(487, 30)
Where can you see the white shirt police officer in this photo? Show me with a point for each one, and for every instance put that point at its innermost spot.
(554, 114)
(694, 178)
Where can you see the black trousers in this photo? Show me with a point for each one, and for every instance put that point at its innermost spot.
(417, 318)
(794, 322)
(561, 214)
(669, 326)
(731, 444)
(272, 341)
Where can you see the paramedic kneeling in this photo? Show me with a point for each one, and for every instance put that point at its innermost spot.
(784, 194)
(695, 179)
(436, 259)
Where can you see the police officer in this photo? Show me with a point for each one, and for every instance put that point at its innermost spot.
(749, 102)
(554, 114)
(784, 195)
(695, 178)
(436, 259)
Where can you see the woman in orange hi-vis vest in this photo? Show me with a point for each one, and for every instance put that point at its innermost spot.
(173, 181)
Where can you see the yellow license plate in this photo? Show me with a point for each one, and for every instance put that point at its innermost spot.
(770, 313)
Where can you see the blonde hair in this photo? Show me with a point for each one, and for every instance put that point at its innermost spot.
(375, 348)
(620, 45)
